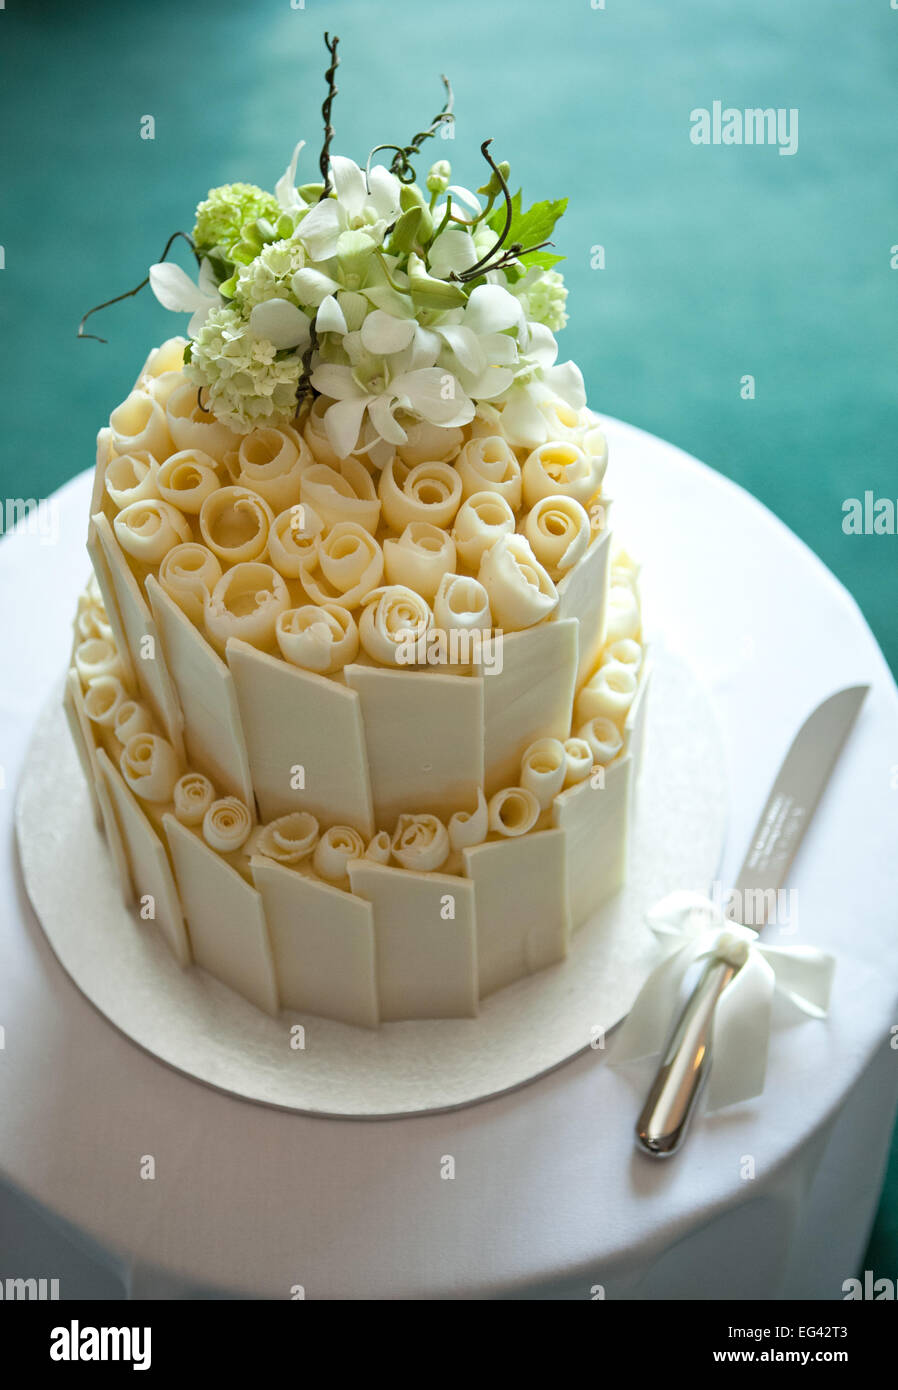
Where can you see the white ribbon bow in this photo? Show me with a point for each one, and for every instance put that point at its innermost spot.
(692, 928)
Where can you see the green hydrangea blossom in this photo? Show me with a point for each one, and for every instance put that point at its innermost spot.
(249, 384)
(269, 275)
(221, 216)
(544, 300)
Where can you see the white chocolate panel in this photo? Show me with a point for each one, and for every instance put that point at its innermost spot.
(83, 738)
(583, 594)
(594, 818)
(634, 725)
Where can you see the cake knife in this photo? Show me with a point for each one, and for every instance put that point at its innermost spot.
(805, 771)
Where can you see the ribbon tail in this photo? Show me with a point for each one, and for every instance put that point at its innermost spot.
(741, 1035)
(645, 1029)
(804, 975)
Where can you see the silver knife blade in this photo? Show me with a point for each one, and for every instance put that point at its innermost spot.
(793, 799)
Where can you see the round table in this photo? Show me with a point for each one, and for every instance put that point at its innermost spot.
(546, 1196)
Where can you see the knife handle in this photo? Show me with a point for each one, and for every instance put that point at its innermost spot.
(669, 1106)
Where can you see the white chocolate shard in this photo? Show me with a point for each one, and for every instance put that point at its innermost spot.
(83, 738)
(635, 724)
(531, 697)
(322, 940)
(583, 594)
(425, 941)
(151, 874)
(213, 733)
(521, 899)
(305, 740)
(114, 841)
(594, 816)
(424, 739)
(227, 924)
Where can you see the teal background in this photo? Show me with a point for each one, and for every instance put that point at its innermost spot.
(719, 261)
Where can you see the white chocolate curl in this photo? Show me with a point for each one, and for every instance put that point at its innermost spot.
(96, 657)
(347, 495)
(131, 718)
(103, 699)
(543, 770)
(291, 537)
(608, 693)
(162, 387)
(139, 426)
(469, 828)
(193, 795)
(513, 811)
(150, 767)
(167, 357)
(319, 637)
(604, 739)
(488, 464)
(334, 851)
(520, 591)
(234, 524)
(315, 434)
(462, 603)
(378, 850)
(131, 478)
(91, 620)
(186, 479)
(625, 652)
(428, 492)
(394, 616)
(561, 468)
(623, 617)
(271, 462)
(562, 421)
(420, 558)
(246, 603)
(624, 570)
(290, 838)
(188, 574)
(427, 443)
(149, 530)
(578, 755)
(559, 533)
(344, 566)
(226, 825)
(193, 428)
(481, 521)
(420, 842)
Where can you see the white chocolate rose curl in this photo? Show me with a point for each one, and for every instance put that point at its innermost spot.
(561, 468)
(622, 617)
(344, 566)
(520, 591)
(562, 422)
(315, 433)
(481, 521)
(292, 536)
(96, 657)
(559, 533)
(150, 767)
(149, 530)
(578, 755)
(131, 718)
(344, 495)
(427, 443)
(290, 838)
(624, 570)
(103, 699)
(428, 492)
(186, 479)
(393, 619)
(624, 651)
(163, 387)
(91, 621)
(271, 462)
(226, 825)
(513, 811)
(593, 441)
(609, 693)
(319, 637)
(246, 603)
(191, 427)
(188, 574)
(131, 478)
(139, 426)
(543, 770)
(420, 558)
(193, 795)
(420, 842)
(462, 603)
(234, 524)
(469, 828)
(167, 357)
(604, 739)
(337, 847)
(379, 850)
(487, 464)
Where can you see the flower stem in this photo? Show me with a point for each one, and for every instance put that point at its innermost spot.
(324, 163)
(137, 288)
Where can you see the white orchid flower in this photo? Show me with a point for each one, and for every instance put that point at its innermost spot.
(537, 378)
(357, 207)
(285, 188)
(282, 323)
(481, 351)
(175, 290)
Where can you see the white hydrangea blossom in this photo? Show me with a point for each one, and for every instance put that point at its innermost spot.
(248, 383)
(269, 276)
(543, 295)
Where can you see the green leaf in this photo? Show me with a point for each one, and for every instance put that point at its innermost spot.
(531, 227)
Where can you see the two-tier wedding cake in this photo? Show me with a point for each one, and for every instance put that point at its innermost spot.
(358, 684)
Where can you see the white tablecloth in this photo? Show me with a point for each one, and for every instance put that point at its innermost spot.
(772, 1199)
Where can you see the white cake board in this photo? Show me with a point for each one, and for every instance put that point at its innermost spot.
(199, 1026)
